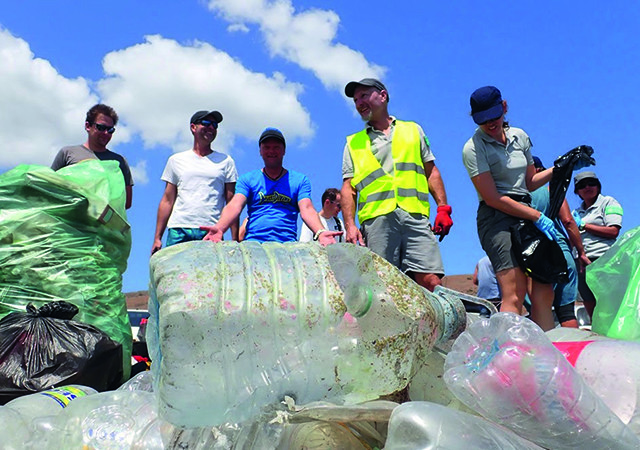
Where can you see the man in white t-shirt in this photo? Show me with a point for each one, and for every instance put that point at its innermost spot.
(200, 182)
(328, 216)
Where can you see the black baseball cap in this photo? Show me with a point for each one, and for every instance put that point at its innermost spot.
(350, 88)
(272, 133)
(199, 115)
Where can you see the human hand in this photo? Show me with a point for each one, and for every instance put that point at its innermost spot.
(545, 225)
(329, 237)
(579, 220)
(585, 159)
(213, 233)
(583, 261)
(443, 223)
(353, 235)
(157, 245)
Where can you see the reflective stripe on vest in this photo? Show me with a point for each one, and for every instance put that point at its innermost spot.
(379, 192)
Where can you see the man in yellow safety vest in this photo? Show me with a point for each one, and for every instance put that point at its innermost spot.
(388, 170)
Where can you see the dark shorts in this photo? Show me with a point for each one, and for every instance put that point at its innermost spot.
(494, 231)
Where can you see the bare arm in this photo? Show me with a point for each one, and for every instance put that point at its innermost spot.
(348, 203)
(485, 185)
(229, 190)
(129, 193)
(605, 231)
(436, 185)
(164, 211)
(572, 230)
(310, 217)
(230, 214)
(537, 179)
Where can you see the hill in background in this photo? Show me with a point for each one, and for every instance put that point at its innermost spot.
(460, 283)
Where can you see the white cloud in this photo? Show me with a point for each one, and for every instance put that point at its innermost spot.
(160, 83)
(238, 28)
(41, 110)
(305, 38)
(139, 173)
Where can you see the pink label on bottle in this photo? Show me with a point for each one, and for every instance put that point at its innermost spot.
(571, 350)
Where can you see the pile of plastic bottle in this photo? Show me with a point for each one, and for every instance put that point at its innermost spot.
(291, 347)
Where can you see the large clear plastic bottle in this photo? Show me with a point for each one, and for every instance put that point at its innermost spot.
(429, 426)
(237, 326)
(506, 369)
(49, 402)
(612, 369)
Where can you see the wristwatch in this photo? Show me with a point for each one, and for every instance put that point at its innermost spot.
(581, 227)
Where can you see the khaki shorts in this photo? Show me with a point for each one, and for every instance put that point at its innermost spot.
(405, 240)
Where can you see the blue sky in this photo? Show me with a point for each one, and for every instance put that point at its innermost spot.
(568, 70)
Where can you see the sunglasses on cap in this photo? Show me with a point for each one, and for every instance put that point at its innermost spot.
(103, 128)
(208, 123)
(584, 183)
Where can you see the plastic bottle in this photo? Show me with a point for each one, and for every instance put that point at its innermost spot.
(49, 402)
(240, 325)
(612, 369)
(506, 369)
(426, 426)
(108, 420)
(15, 430)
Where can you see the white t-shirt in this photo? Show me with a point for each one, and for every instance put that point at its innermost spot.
(200, 181)
(330, 224)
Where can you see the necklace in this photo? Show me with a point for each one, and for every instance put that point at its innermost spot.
(276, 178)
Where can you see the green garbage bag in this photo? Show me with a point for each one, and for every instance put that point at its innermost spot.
(614, 279)
(64, 236)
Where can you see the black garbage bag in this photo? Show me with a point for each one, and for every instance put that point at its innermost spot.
(562, 173)
(43, 348)
(538, 256)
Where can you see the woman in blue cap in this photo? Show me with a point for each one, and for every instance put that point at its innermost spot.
(499, 162)
(599, 219)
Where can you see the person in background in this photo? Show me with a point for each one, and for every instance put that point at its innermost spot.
(499, 162)
(328, 215)
(567, 235)
(274, 197)
(100, 124)
(388, 171)
(485, 278)
(199, 182)
(599, 219)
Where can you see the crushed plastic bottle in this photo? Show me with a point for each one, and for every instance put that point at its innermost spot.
(506, 369)
(237, 326)
(429, 426)
(49, 402)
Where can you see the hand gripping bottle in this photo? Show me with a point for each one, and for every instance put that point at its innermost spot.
(235, 327)
(612, 369)
(506, 369)
(427, 425)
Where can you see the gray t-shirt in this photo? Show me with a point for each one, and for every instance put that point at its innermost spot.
(381, 149)
(606, 211)
(506, 163)
(73, 154)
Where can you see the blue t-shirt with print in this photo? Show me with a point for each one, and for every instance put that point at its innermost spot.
(272, 206)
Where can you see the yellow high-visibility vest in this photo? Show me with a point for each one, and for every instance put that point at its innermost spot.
(379, 192)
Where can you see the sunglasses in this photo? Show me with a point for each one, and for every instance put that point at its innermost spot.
(103, 128)
(584, 184)
(208, 123)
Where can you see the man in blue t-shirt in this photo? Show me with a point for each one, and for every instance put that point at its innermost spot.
(274, 197)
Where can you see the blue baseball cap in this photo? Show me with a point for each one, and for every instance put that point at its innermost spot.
(486, 104)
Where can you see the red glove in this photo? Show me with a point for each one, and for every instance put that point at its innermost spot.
(443, 222)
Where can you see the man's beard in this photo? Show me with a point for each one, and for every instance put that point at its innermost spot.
(367, 117)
